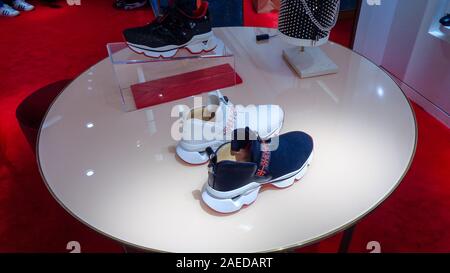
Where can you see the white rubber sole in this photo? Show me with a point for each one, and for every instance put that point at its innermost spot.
(194, 158)
(196, 154)
(229, 205)
(198, 44)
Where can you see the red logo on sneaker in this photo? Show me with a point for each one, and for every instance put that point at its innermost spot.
(265, 159)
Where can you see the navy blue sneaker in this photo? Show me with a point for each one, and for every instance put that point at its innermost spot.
(175, 30)
(239, 168)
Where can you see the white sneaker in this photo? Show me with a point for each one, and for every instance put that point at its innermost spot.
(213, 125)
(22, 5)
(6, 10)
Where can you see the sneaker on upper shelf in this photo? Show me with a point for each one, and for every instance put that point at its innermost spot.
(175, 29)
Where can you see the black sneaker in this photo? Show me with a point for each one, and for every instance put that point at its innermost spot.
(174, 30)
(238, 169)
(129, 4)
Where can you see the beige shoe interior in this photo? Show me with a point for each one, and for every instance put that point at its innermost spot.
(225, 153)
(203, 114)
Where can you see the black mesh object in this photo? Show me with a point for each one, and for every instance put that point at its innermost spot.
(294, 19)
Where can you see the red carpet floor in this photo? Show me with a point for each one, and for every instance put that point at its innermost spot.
(48, 44)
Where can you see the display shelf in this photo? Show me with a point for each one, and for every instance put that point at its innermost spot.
(140, 77)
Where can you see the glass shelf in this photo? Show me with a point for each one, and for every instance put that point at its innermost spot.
(136, 71)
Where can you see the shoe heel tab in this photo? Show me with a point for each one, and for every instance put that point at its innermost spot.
(212, 155)
(242, 138)
(214, 100)
(245, 134)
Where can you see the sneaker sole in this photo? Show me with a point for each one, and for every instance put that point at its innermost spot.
(230, 205)
(194, 157)
(198, 44)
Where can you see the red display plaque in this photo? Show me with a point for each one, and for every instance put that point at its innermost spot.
(184, 85)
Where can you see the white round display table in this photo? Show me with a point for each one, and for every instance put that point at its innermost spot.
(117, 171)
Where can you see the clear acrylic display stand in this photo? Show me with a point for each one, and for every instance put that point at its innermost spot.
(131, 68)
